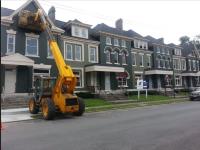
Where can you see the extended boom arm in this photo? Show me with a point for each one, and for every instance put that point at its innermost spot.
(66, 77)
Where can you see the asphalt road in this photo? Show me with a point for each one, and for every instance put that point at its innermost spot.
(164, 127)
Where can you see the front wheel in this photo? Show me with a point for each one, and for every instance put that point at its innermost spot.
(33, 107)
(81, 108)
(48, 109)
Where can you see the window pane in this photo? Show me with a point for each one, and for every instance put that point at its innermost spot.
(84, 33)
(107, 56)
(31, 46)
(10, 39)
(10, 43)
(116, 57)
(77, 52)
(93, 54)
(69, 52)
(10, 47)
(123, 58)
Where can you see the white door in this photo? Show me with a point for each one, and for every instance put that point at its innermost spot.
(10, 80)
(107, 81)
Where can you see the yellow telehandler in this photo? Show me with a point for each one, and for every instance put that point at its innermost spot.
(52, 94)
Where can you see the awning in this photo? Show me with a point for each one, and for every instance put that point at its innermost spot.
(16, 59)
(191, 74)
(150, 72)
(104, 68)
(41, 66)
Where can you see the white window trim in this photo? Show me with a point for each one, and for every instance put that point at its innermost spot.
(119, 86)
(32, 36)
(117, 42)
(75, 59)
(124, 43)
(117, 57)
(66, 50)
(149, 60)
(97, 53)
(80, 29)
(14, 37)
(108, 62)
(141, 54)
(75, 43)
(125, 59)
(110, 40)
(82, 77)
(133, 53)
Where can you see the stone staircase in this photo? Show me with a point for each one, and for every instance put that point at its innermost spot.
(14, 102)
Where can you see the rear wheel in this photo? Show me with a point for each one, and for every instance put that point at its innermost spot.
(48, 109)
(81, 108)
(33, 107)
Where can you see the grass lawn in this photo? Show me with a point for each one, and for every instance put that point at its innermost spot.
(149, 97)
(94, 102)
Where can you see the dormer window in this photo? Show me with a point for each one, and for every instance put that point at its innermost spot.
(108, 40)
(116, 42)
(79, 32)
(177, 51)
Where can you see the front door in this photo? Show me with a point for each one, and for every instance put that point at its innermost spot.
(10, 80)
(107, 81)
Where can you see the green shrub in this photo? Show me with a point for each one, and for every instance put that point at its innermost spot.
(85, 95)
(143, 92)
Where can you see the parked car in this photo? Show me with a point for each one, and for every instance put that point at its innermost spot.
(195, 95)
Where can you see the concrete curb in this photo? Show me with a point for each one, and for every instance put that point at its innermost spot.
(21, 114)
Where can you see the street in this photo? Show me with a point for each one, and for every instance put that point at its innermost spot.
(163, 127)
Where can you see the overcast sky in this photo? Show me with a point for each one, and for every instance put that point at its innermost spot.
(168, 19)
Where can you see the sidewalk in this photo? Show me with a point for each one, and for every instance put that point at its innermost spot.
(20, 114)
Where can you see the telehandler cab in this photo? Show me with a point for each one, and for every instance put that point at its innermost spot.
(51, 94)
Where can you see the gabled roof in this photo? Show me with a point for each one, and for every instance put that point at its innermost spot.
(6, 11)
(154, 40)
(9, 17)
(105, 28)
(77, 22)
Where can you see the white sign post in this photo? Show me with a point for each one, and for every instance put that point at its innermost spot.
(141, 84)
(139, 87)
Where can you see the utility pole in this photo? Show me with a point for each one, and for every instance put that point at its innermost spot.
(173, 76)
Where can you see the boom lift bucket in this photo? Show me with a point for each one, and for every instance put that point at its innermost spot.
(27, 20)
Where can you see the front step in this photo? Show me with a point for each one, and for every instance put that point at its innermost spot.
(15, 102)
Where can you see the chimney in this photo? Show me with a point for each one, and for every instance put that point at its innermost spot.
(161, 40)
(52, 14)
(119, 24)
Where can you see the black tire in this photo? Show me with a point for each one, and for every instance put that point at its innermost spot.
(49, 112)
(33, 107)
(81, 108)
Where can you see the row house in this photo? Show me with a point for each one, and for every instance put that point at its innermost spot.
(25, 53)
(103, 58)
(192, 72)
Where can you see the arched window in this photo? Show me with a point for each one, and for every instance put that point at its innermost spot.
(116, 57)
(163, 62)
(124, 61)
(107, 52)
